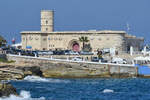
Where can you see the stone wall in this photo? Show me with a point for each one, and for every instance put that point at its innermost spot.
(64, 40)
(97, 41)
(53, 68)
(31, 39)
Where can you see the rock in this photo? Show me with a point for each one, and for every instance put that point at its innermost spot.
(6, 89)
(10, 76)
(3, 57)
(67, 72)
(32, 70)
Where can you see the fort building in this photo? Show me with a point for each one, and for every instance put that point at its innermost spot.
(48, 39)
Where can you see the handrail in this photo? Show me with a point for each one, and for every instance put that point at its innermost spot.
(67, 60)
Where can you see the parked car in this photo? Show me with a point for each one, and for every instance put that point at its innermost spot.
(96, 59)
(9, 52)
(86, 53)
(77, 59)
(13, 51)
(69, 52)
(106, 50)
(45, 52)
(58, 52)
(23, 52)
(119, 61)
(147, 51)
(35, 53)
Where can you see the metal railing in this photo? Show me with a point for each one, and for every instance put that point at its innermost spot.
(67, 60)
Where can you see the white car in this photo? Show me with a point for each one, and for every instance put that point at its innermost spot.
(71, 53)
(147, 52)
(119, 61)
(77, 59)
(106, 50)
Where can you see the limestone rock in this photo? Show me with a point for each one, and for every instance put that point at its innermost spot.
(31, 70)
(6, 89)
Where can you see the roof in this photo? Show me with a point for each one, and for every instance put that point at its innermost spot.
(129, 36)
(80, 32)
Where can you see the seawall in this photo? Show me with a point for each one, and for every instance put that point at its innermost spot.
(73, 69)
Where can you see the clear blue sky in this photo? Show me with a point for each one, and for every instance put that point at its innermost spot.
(24, 15)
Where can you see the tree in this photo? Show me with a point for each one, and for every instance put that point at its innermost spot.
(2, 41)
(83, 40)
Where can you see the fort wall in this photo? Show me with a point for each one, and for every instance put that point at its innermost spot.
(64, 41)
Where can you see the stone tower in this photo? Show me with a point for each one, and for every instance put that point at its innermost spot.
(47, 20)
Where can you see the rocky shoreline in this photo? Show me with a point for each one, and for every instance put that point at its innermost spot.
(19, 68)
(7, 89)
(19, 71)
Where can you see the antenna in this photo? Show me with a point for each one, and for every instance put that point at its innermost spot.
(128, 27)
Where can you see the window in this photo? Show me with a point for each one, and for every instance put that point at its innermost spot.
(92, 38)
(46, 22)
(30, 38)
(51, 45)
(44, 39)
(46, 29)
(36, 38)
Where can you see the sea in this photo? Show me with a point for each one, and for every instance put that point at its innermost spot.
(37, 88)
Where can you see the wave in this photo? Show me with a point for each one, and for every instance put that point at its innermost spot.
(108, 91)
(40, 79)
(24, 95)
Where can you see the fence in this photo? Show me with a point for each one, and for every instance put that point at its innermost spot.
(67, 60)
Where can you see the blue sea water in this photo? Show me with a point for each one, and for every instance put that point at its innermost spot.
(83, 89)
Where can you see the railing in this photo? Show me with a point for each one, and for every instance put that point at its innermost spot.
(134, 52)
(67, 60)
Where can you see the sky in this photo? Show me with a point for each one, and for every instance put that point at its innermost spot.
(132, 16)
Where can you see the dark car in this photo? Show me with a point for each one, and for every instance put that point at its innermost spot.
(86, 53)
(58, 52)
(96, 59)
(9, 52)
(23, 52)
(29, 53)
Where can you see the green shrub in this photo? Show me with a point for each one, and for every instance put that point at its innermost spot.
(6, 61)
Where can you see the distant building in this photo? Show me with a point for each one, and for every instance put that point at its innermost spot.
(48, 39)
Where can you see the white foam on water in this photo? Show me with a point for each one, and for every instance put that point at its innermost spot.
(108, 91)
(24, 95)
(35, 78)
(40, 79)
